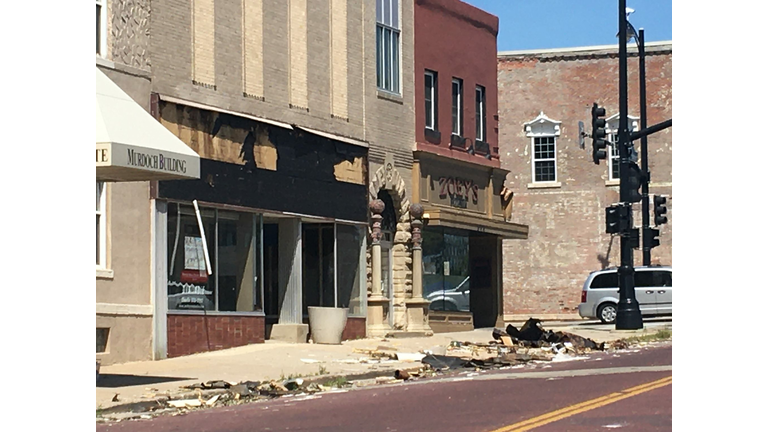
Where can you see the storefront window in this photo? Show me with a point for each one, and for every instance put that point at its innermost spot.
(349, 243)
(228, 278)
(446, 269)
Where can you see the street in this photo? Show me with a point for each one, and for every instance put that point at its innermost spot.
(630, 391)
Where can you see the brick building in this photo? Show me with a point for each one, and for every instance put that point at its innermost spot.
(457, 175)
(558, 191)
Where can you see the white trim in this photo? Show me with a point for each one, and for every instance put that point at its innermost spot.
(101, 212)
(534, 160)
(544, 185)
(459, 106)
(104, 51)
(582, 49)
(479, 116)
(432, 102)
(104, 273)
(543, 125)
(123, 309)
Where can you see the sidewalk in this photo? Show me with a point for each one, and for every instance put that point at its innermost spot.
(140, 381)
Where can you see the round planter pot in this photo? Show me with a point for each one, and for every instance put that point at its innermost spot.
(327, 324)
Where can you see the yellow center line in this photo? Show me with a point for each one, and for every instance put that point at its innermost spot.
(584, 406)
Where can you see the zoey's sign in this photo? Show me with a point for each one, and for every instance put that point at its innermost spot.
(459, 191)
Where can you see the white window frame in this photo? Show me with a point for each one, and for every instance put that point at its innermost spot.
(388, 63)
(101, 214)
(102, 29)
(430, 114)
(534, 160)
(480, 116)
(612, 133)
(457, 106)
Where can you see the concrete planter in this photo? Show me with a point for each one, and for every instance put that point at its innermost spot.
(327, 324)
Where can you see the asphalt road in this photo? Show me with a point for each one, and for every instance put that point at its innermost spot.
(630, 391)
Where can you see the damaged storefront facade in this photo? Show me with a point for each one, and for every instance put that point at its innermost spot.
(276, 224)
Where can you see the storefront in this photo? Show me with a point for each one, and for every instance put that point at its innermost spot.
(276, 223)
(132, 149)
(466, 209)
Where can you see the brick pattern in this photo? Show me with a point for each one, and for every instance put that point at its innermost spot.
(355, 329)
(339, 65)
(298, 38)
(253, 60)
(567, 239)
(189, 334)
(203, 18)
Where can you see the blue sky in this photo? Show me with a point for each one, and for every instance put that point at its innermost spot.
(542, 24)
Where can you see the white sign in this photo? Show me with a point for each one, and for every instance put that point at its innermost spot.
(194, 258)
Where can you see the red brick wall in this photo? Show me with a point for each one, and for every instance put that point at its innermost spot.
(456, 40)
(187, 333)
(355, 329)
(567, 239)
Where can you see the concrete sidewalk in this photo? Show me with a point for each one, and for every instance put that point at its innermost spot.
(142, 381)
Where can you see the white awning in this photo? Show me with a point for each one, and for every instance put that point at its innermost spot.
(131, 145)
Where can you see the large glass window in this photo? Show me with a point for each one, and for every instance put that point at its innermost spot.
(351, 266)
(446, 270)
(101, 226)
(215, 267)
(388, 45)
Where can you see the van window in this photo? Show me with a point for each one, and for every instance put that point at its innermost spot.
(646, 279)
(663, 278)
(605, 280)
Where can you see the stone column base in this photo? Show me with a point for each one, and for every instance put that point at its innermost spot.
(418, 316)
(378, 310)
(292, 333)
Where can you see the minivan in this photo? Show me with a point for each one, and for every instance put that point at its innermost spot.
(653, 291)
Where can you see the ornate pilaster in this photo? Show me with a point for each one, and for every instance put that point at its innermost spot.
(377, 303)
(418, 308)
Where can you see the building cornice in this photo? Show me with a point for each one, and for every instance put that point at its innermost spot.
(577, 53)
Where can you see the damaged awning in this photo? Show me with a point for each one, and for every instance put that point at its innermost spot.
(133, 146)
(441, 217)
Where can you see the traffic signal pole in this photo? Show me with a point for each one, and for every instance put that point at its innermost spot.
(628, 315)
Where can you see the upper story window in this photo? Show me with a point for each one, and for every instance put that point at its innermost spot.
(612, 130)
(543, 132)
(430, 99)
(101, 28)
(101, 228)
(457, 105)
(480, 128)
(388, 45)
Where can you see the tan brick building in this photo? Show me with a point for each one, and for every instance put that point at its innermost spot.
(301, 113)
(558, 191)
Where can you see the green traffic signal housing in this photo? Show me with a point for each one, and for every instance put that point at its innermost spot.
(599, 142)
(659, 210)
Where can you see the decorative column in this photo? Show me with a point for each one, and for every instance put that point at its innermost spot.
(417, 307)
(378, 325)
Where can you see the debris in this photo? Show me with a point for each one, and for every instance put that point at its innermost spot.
(506, 340)
(441, 362)
(402, 375)
(115, 397)
(212, 400)
(410, 357)
(218, 384)
(185, 403)
(310, 361)
(293, 384)
(240, 390)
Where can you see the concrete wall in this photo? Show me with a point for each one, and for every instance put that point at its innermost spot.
(567, 240)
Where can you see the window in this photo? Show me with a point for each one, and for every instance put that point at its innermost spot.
(388, 45)
(457, 88)
(101, 28)
(613, 157)
(446, 271)
(102, 336)
(544, 161)
(430, 100)
(101, 225)
(606, 280)
(480, 113)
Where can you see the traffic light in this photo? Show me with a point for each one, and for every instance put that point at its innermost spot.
(635, 179)
(651, 238)
(659, 210)
(598, 133)
(618, 219)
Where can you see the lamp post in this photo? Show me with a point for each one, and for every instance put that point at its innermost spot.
(628, 315)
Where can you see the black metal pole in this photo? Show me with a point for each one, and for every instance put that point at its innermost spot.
(628, 315)
(644, 151)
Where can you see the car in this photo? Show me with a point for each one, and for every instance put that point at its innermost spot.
(600, 294)
(454, 299)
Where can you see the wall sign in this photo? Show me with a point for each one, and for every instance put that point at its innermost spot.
(459, 191)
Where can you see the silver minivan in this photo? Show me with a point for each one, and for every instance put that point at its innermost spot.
(653, 290)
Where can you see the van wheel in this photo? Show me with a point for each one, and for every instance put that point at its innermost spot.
(607, 313)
